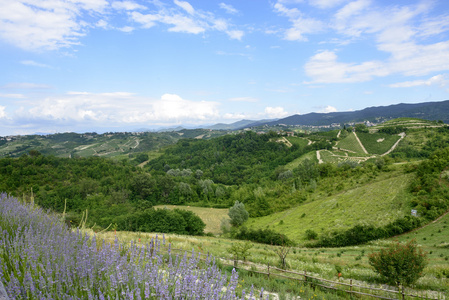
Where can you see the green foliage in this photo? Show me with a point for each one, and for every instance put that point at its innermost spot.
(109, 144)
(399, 264)
(377, 143)
(141, 157)
(163, 220)
(233, 159)
(240, 250)
(393, 129)
(430, 188)
(360, 234)
(361, 128)
(350, 143)
(311, 234)
(238, 214)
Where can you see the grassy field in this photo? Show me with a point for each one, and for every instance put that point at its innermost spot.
(434, 239)
(321, 262)
(301, 142)
(350, 143)
(336, 156)
(295, 163)
(378, 202)
(377, 143)
(211, 216)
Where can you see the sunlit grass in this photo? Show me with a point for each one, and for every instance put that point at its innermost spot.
(378, 203)
(211, 216)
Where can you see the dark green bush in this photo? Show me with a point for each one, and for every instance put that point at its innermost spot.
(163, 220)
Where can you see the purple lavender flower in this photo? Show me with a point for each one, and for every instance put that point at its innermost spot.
(40, 258)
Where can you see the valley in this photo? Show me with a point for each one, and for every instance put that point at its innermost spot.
(335, 196)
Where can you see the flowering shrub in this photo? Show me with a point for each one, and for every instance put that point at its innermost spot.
(40, 258)
(399, 264)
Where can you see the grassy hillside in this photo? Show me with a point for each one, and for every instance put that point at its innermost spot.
(378, 203)
(377, 143)
(350, 143)
(296, 162)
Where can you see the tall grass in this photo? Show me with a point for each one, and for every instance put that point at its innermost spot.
(40, 258)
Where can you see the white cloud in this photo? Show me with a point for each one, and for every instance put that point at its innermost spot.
(34, 64)
(323, 67)
(228, 8)
(126, 29)
(398, 31)
(120, 107)
(275, 112)
(127, 5)
(329, 109)
(235, 116)
(12, 96)
(244, 99)
(194, 22)
(147, 21)
(102, 24)
(342, 17)
(2, 112)
(441, 80)
(301, 25)
(186, 6)
(183, 24)
(25, 86)
(235, 34)
(326, 3)
(33, 25)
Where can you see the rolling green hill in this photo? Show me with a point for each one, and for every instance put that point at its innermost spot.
(375, 203)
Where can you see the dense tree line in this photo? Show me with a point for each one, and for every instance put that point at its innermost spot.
(232, 159)
(360, 234)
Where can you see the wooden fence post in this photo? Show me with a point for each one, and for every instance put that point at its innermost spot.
(305, 276)
(403, 293)
(268, 265)
(350, 285)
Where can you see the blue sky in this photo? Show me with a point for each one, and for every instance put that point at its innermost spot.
(104, 65)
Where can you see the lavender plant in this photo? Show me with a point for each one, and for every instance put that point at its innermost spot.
(40, 258)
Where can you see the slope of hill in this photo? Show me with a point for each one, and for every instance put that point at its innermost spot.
(376, 203)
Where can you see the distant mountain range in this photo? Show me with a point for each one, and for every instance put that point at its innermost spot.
(432, 111)
(429, 111)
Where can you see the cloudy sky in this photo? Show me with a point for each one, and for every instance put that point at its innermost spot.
(106, 65)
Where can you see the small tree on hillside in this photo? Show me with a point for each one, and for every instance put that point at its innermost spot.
(282, 251)
(238, 214)
(240, 251)
(399, 264)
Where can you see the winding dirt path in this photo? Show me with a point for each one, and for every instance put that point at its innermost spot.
(402, 134)
(318, 156)
(360, 143)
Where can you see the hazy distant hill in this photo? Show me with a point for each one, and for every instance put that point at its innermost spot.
(428, 111)
(237, 125)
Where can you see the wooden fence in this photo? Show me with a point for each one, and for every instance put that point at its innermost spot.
(350, 288)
